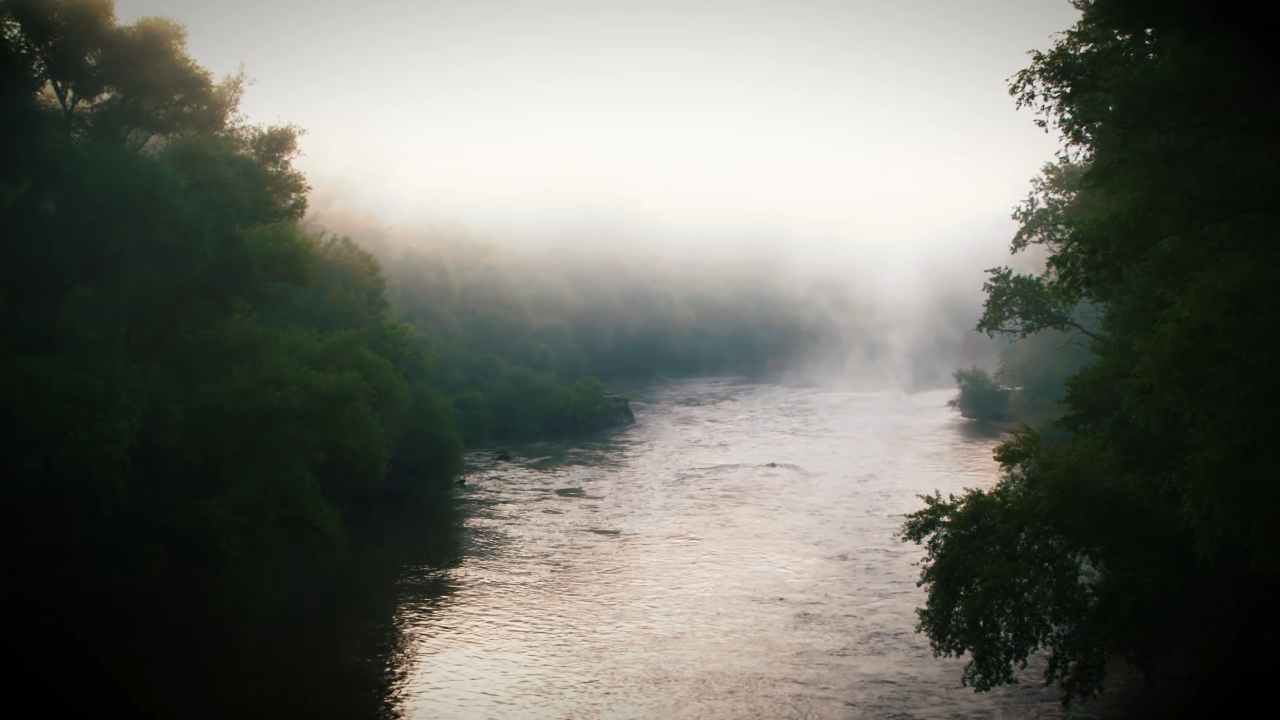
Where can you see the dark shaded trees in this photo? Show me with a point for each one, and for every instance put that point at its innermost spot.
(186, 374)
(577, 313)
(981, 397)
(189, 376)
(1150, 535)
(1040, 365)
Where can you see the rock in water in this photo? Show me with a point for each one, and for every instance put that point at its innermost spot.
(619, 412)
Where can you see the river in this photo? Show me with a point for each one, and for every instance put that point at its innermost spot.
(732, 555)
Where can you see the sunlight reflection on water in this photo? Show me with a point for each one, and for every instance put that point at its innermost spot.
(733, 555)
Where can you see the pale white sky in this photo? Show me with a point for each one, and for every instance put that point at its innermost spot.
(874, 129)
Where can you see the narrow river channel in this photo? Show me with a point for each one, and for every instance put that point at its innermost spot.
(733, 555)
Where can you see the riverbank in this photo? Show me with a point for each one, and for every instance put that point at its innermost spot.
(1039, 413)
(283, 635)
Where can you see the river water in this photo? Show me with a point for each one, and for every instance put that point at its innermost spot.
(732, 555)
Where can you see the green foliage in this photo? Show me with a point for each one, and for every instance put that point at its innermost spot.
(1040, 365)
(475, 422)
(1064, 555)
(184, 369)
(981, 397)
(1002, 585)
(584, 316)
(584, 403)
(187, 373)
(518, 338)
(1150, 534)
(520, 404)
(430, 444)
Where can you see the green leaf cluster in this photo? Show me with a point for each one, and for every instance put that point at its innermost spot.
(187, 376)
(1150, 534)
(981, 397)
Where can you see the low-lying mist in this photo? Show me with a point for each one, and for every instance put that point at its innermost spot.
(615, 304)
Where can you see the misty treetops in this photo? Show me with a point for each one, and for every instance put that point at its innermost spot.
(184, 370)
(192, 376)
(1150, 534)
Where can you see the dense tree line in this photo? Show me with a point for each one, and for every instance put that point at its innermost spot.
(186, 373)
(502, 319)
(1030, 380)
(624, 312)
(193, 373)
(1149, 535)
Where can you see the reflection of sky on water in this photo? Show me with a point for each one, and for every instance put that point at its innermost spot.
(732, 555)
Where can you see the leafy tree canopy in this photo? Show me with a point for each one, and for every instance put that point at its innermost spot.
(1150, 535)
(187, 374)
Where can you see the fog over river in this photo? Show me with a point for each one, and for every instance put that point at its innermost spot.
(733, 555)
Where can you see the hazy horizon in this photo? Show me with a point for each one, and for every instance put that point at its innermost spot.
(845, 130)
(866, 149)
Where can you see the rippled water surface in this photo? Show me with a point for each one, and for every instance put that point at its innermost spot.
(733, 555)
